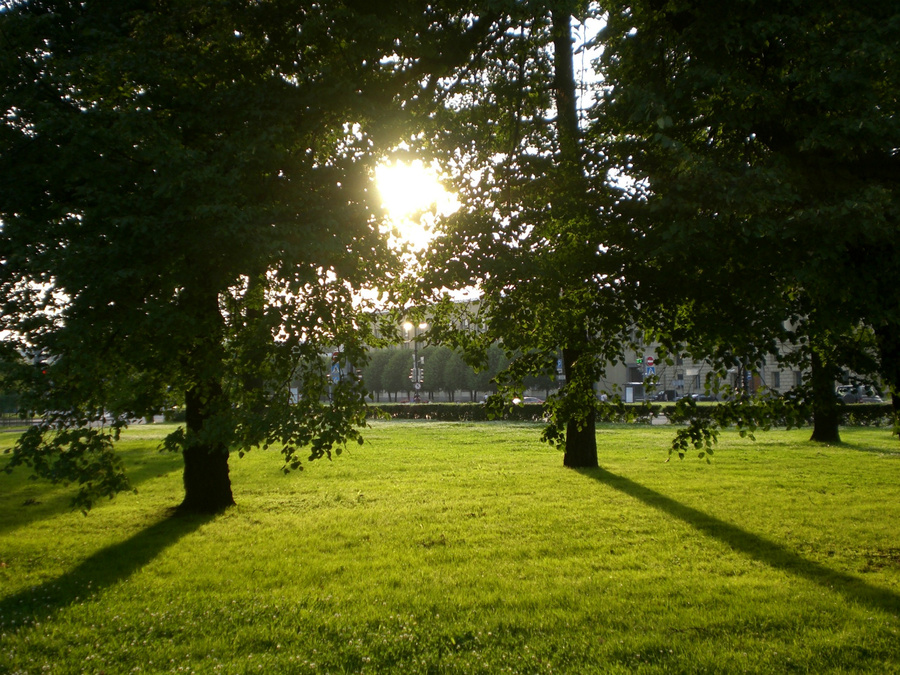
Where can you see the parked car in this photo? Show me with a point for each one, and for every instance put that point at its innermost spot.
(700, 397)
(849, 393)
(526, 399)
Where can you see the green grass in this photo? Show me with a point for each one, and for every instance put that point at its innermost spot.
(455, 547)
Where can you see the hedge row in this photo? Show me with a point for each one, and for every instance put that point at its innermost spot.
(852, 415)
(868, 414)
(454, 412)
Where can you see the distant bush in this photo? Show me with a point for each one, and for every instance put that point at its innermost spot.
(452, 412)
(863, 415)
(175, 415)
(868, 415)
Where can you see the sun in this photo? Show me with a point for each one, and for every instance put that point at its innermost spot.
(413, 196)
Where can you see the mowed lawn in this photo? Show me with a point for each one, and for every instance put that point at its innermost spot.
(465, 548)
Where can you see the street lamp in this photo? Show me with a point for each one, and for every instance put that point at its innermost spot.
(417, 372)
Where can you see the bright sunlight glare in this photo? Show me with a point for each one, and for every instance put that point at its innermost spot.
(413, 196)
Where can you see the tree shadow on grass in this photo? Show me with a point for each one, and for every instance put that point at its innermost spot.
(33, 501)
(103, 569)
(893, 453)
(754, 546)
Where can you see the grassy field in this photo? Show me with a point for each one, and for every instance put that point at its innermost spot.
(466, 548)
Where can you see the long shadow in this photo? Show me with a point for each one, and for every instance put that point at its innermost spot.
(103, 569)
(875, 450)
(54, 499)
(754, 546)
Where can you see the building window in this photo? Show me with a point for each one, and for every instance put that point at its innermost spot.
(776, 379)
(798, 378)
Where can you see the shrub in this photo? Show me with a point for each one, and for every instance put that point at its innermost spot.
(637, 413)
(464, 412)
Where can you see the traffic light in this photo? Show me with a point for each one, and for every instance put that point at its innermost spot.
(640, 360)
(39, 362)
(421, 374)
(412, 374)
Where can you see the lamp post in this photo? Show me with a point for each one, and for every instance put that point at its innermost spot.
(416, 373)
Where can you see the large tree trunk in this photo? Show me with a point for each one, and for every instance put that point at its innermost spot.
(581, 437)
(207, 485)
(566, 108)
(581, 430)
(826, 407)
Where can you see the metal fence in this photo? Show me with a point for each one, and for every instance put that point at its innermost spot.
(9, 414)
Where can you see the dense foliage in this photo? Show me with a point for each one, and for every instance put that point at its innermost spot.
(533, 233)
(445, 374)
(726, 184)
(764, 165)
(187, 212)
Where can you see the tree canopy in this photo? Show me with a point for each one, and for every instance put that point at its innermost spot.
(187, 213)
(763, 152)
(534, 233)
(187, 206)
(727, 189)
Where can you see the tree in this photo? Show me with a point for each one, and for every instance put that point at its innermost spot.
(544, 382)
(888, 338)
(458, 376)
(435, 359)
(396, 373)
(186, 205)
(532, 234)
(485, 377)
(763, 157)
(375, 371)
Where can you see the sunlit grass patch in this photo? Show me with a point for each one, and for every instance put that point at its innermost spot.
(467, 547)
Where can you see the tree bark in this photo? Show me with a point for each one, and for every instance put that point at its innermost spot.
(581, 436)
(581, 432)
(207, 484)
(564, 95)
(826, 407)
